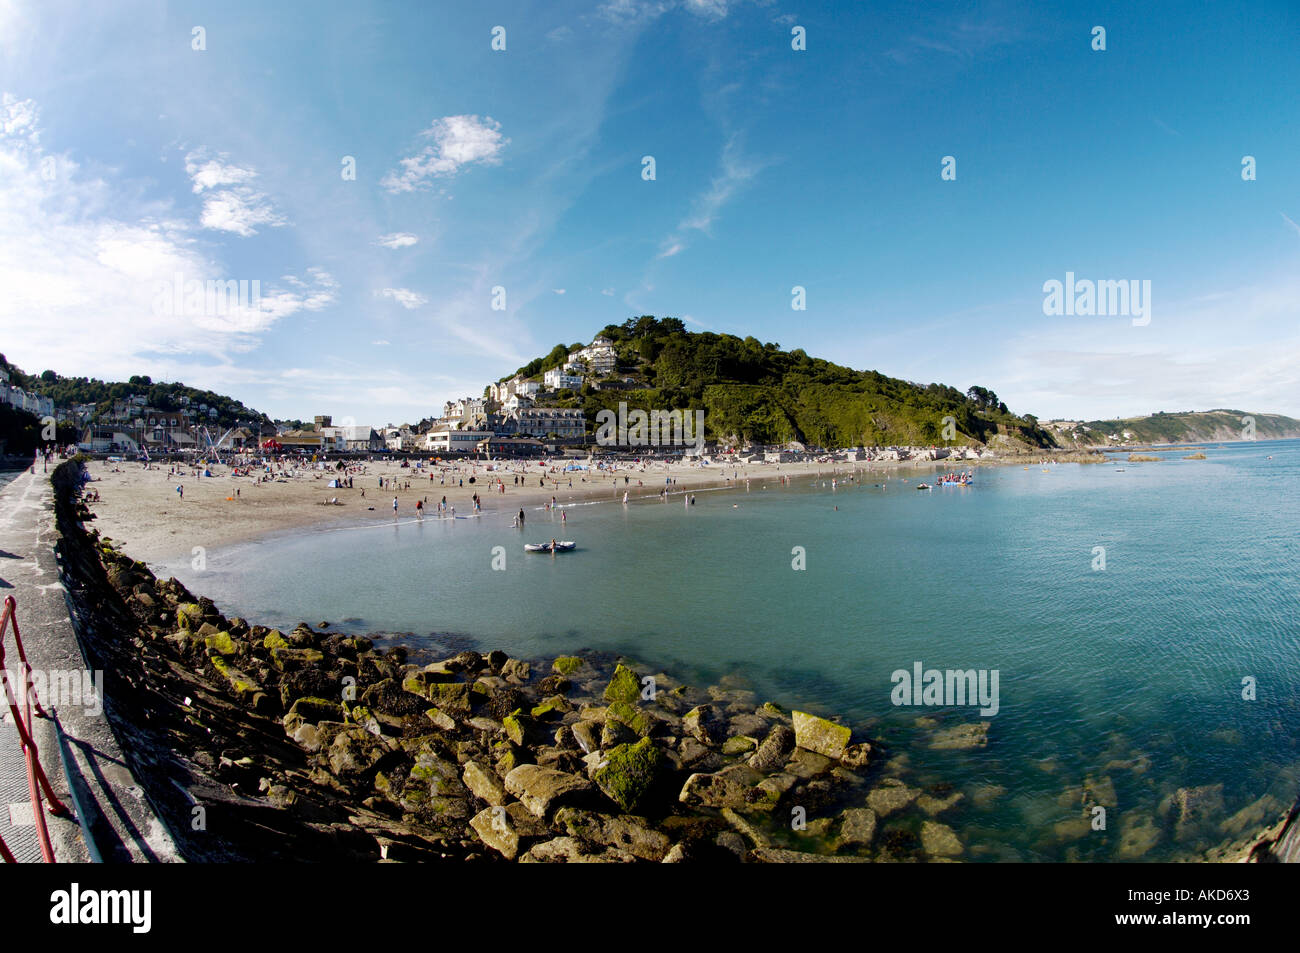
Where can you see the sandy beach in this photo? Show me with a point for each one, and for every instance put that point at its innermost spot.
(141, 511)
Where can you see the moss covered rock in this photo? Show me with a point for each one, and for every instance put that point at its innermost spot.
(630, 774)
(566, 665)
(189, 615)
(817, 734)
(221, 643)
(624, 686)
(640, 722)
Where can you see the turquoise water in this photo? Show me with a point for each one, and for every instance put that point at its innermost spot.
(1130, 676)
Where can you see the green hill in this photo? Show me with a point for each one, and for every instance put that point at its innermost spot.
(754, 392)
(67, 392)
(1189, 427)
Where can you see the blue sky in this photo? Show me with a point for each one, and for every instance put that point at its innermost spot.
(127, 156)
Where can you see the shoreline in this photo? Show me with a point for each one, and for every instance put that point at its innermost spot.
(139, 508)
(878, 783)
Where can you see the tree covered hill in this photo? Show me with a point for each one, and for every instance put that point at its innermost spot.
(68, 392)
(756, 392)
(1190, 427)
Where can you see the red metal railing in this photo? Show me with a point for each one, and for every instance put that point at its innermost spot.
(37, 782)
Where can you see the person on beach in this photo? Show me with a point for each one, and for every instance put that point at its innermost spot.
(419, 509)
(521, 517)
(180, 491)
(394, 506)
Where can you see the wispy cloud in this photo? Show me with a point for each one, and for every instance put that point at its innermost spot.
(737, 171)
(231, 204)
(397, 240)
(1288, 220)
(70, 266)
(558, 291)
(404, 296)
(458, 141)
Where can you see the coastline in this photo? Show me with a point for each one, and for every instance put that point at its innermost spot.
(140, 509)
(859, 805)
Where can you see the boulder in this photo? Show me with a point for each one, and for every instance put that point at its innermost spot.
(543, 789)
(640, 722)
(819, 735)
(706, 724)
(726, 788)
(505, 828)
(570, 850)
(624, 686)
(566, 665)
(587, 735)
(857, 827)
(630, 834)
(484, 784)
(774, 750)
(354, 751)
(630, 773)
(441, 719)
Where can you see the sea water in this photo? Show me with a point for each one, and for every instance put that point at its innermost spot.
(1144, 625)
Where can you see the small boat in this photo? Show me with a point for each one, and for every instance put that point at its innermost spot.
(924, 486)
(561, 546)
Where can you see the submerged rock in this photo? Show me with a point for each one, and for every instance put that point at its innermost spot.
(940, 840)
(858, 827)
(961, 737)
(891, 795)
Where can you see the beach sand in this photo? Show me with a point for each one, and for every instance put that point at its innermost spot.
(141, 511)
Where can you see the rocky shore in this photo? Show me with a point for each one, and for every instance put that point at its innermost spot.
(351, 751)
(261, 744)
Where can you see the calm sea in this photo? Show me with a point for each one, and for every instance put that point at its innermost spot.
(1127, 678)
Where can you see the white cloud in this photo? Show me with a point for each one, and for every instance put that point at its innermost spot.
(82, 261)
(607, 292)
(404, 296)
(736, 172)
(457, 141)
(559, 291)
(231, 205)
(397, 240)
(381, 343)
